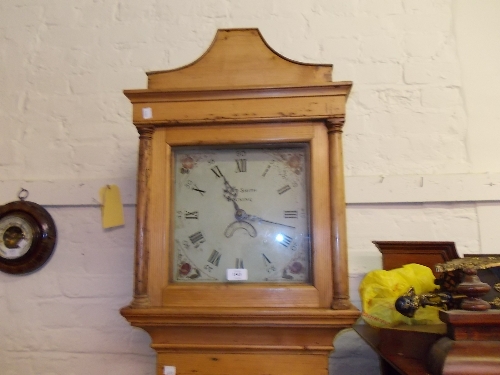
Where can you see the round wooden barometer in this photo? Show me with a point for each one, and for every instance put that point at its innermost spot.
(241, 253)
(27, 237)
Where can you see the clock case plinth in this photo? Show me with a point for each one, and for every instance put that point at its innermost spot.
(241, 92)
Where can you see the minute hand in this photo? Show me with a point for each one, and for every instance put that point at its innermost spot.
(256, 218)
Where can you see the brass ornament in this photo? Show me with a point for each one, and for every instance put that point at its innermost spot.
(475, 263)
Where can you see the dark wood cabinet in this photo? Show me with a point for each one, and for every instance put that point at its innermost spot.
(467, 343)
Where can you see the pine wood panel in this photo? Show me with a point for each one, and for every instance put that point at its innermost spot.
(227, 110)
(233, 134)
(244, 364)
(233, 52)
(269, 295)
(243, 338)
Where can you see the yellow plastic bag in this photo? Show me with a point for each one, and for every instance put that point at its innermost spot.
(380, 289)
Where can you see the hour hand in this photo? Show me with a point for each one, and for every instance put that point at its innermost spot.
(230, 192)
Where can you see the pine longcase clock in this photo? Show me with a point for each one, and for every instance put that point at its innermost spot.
(241, 253)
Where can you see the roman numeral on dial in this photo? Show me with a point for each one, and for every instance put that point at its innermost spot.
(199, 190)
(268, 264)
(266, 259)
(239, 263)
(215, 258)
(191, 215)
(216, 171)
(197, 239)
(266, 170)
(284, 189)
(286, 240)
(191, 185)
(241, 165)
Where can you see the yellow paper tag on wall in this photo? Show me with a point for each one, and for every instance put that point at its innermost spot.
(111, 208)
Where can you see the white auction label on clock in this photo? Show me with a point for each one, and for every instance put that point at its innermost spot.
(147, 113)
(237, 274)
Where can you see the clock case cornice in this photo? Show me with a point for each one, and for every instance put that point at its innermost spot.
(240, 82)
(233, 105)
(158, 95)
(229, 81)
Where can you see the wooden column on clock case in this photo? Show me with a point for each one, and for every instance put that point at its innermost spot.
(141, 263)
(241, 92)
(337, 202)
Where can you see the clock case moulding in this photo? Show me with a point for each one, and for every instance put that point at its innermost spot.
(241, 92)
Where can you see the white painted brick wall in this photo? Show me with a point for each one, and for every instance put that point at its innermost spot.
(66, 128)
(64, 319)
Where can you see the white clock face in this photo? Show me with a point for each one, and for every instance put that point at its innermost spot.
(16, 237)
(241, 214)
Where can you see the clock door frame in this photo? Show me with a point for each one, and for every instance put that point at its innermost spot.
(319, 293)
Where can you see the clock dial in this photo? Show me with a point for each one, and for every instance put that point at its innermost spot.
(241, 209)
(27, 237)
(16, 236)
